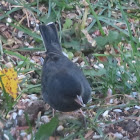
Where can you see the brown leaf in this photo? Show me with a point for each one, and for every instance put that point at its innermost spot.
(89, 133)
(102, 58)
(89, 38)
(54, 138)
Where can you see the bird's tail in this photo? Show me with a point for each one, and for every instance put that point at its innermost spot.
(50, 37)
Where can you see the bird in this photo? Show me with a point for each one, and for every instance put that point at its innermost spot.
(63, 84)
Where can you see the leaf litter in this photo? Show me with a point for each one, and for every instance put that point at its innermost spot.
(114, 116)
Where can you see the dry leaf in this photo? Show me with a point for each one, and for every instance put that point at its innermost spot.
(10, 81)
(89, 38)
(89, 133)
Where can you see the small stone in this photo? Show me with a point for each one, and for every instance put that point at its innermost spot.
(82, 64)
(25, 100)
(96, 66)
(32, 61)
(133, 61)
(9, 65)
(14, 115)
(60, 128)
(29, 137)
(75, 59)
(3, 2)
(97, 136)
(118, 135)
(109, 92)
(26, 43)
(20, 34)
(101, 65)
(45, 119)
(31, 46)
(137, 107)
(32, 22)
(134, 94)
(119, 73)
(111, 101)
(6, 137)
(9, 124)
(20, 112)
(10, 41)
(34, 81)
(117, 110)
(21, 77)
(89, 20)
(127, 108)
(9, 20)
(33, 97)
(23, 134)
(105, 114)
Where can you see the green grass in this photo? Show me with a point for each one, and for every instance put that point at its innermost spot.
(121, 70)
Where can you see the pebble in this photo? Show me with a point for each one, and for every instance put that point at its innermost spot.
(8, 124)
(101, 65)
(134, 94)
(20, 34)
(89, 20)
(133, 61)
(3, 2)
(45, 119)
(9, 20)
(97, 137)
(92, 106)
(9, 65)
(6, 137)
(127, 108)
(20, 112)
(109, 92)
(29, 137)
(118, 135)
(23, 134)
(117, 110)
(102, 124)
(60, 128)
(25, 100)
(33, 97)
(111, 101)
(105, 114)
(119, 73)
(137, 107)
(14, 115)
(82, 64)
(30, 46)
(32, 22)
(75, 59)
(34, 81)
(32, 61)
(96, 66)
(26, 43)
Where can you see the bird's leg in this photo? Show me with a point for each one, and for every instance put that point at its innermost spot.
(53, 112)
(84, 117)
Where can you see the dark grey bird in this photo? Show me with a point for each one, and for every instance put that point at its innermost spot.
(64, 86)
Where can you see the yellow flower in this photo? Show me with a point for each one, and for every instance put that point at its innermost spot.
(10, 81)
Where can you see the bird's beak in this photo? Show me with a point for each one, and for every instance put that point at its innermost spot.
(79, 100)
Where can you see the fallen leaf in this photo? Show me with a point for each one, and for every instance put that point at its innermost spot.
(10, 81)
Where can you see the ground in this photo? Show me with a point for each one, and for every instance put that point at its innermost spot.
(101, 37)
